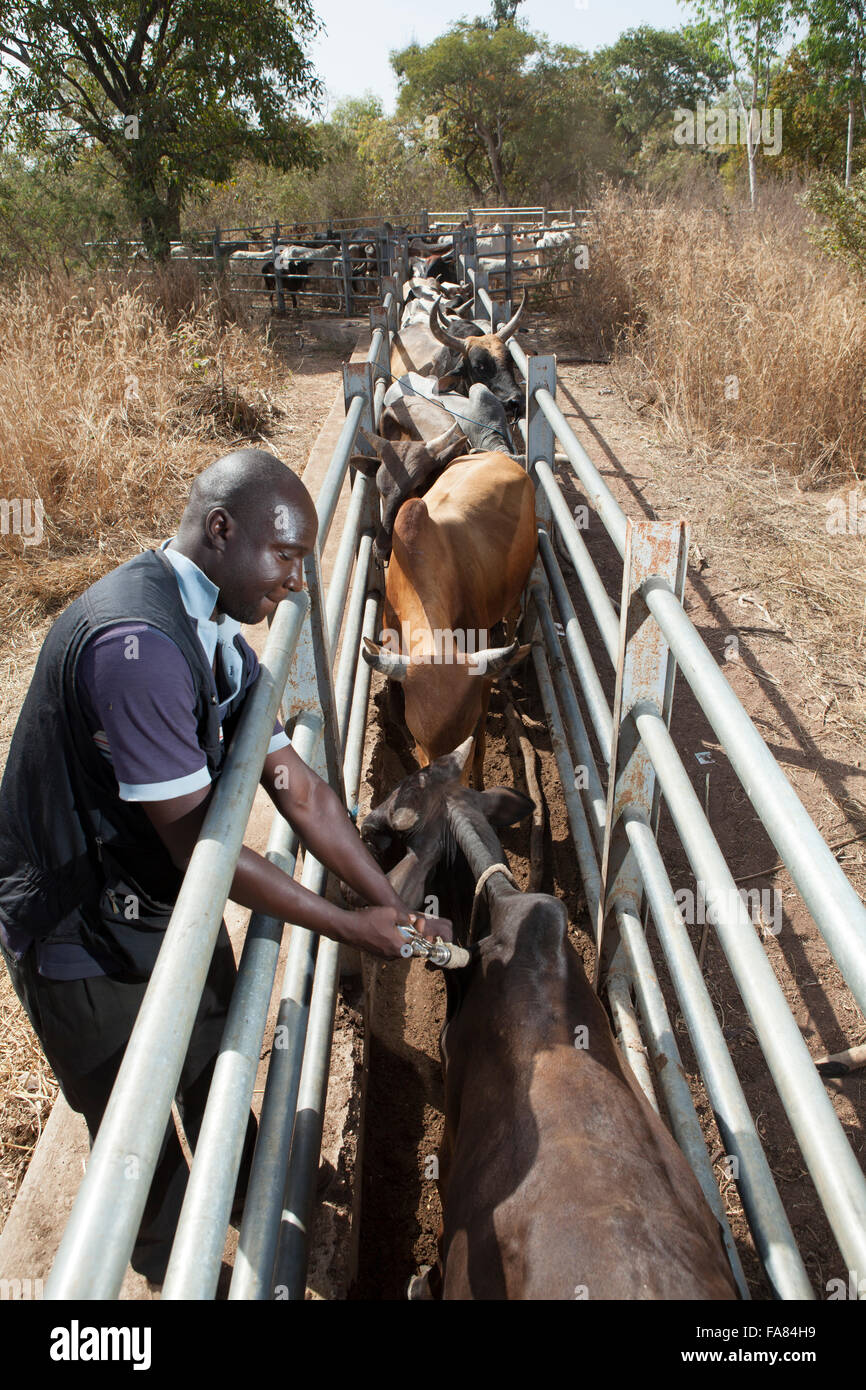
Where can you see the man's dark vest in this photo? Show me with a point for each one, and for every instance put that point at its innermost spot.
(77, 864)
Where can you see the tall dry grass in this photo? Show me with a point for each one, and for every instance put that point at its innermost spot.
(737, 330)
(688, 300)
(115, 393)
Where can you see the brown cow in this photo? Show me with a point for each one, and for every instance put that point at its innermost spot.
(461, 558)
(558, 1180)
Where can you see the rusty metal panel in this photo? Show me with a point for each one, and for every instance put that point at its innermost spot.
(645, 673)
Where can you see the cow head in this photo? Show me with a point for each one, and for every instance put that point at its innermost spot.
(484, 357)
(444, 680)
(403, 468)
(415, 818)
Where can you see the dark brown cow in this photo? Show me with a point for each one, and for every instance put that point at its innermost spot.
(406, 469)
(558, 1180)
(461, 353)
(483, 357)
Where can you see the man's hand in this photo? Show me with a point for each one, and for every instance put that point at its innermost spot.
(374, 929)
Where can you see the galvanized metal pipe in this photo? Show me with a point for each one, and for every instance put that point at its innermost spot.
(826, 891)
(770, 1227)
(358, 717)
(596, 595)
(670, 1074)
(628, 1033)
(196, 1253)
(759, 1194)
(332, 484)
(289, 1277)
(835, 907)
(257, 1243)
(593, 694)
(260, 1230)
(100, 1235)
(834, 1168)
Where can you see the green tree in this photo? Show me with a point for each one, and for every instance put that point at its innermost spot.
(473, 81)
(504, 12)
(175, 91)
(569, 116)
(750, 34)
(813, 121)
(844, 207)
(836, 44)
(650, 72)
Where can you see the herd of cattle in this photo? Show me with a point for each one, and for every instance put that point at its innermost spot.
(557, 1178)
(318, 267)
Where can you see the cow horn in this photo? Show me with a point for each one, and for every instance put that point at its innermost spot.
(506, 330)
(494, 659)
(376, 442)
(386, 663)
(453, 435)
(463, 751)
(440, 332)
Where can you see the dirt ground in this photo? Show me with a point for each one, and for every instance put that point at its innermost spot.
(792, 704)
(776, 679)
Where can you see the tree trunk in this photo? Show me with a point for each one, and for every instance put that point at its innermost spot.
(495, 160)
(849, 152)
(160, 220)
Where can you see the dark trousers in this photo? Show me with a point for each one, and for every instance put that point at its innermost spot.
(84, 1026)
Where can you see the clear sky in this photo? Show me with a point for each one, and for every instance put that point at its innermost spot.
(352, 56)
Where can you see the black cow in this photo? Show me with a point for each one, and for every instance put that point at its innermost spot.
(558, 1180)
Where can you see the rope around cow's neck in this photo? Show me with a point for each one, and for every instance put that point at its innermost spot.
(479, 889)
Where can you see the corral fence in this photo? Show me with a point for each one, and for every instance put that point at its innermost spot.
(347, 260)
(615, 763)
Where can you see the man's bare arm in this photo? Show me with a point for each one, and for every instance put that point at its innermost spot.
(263, 887)
(324, 829)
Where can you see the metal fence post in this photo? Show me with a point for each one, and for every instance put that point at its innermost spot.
(540, 439)
(645, 672)
(391, 285)
(358, 381)
(278, 274)
(509, 261)
(346, 270)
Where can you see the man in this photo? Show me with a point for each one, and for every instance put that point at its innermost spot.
(121, 738)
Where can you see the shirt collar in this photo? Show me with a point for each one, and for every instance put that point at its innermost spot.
(199, 595)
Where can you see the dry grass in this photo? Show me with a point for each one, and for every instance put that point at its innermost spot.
(27, 1092)
(688, 299)
(743, 334)
(116, 394)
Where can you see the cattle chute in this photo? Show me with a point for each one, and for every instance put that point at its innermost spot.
(622, 869)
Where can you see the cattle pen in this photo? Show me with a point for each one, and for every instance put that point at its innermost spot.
(345, 262)
(617, 765)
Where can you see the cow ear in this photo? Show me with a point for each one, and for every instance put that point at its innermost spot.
(376, 442)
(369, 467)
(504, 806)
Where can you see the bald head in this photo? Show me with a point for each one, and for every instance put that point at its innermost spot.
(248, 525)
(254, 487)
